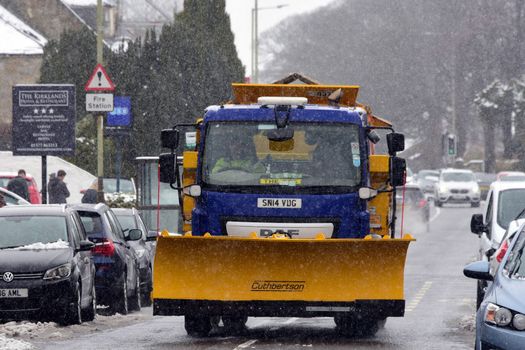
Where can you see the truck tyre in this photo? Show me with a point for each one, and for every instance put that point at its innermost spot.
(235, 325)
(197, 326)
(351, 326)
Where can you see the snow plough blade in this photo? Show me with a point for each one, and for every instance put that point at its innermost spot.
(218, 272)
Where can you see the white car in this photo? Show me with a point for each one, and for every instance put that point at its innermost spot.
(456, 186)
(505, 202)
(12, 198)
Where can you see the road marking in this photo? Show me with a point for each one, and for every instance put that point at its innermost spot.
(246, 344)
(438, 211)
(418, 297)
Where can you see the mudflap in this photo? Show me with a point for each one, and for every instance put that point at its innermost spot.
(219, 275)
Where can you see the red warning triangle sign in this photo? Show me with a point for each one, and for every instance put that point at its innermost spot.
(100, 80)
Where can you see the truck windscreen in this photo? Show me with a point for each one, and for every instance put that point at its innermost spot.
(318, 154)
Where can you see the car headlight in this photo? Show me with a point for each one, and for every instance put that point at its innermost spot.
(443, 188)
(503, 317)
(475, 188)
(58, 272)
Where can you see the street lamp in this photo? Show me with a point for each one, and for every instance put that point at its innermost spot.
(255, 35)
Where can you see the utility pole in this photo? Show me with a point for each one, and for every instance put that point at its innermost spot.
(100, 117)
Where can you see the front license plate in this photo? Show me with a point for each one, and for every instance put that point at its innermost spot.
(293, 203)
(13, 293)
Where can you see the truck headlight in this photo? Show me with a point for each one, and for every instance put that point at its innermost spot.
(58, 272)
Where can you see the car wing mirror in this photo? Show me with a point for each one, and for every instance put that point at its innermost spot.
(476, 224)
(134, 234)
(85, 245)
(152, 236)
(478, 270)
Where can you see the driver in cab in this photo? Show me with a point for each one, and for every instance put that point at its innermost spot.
(239, 156)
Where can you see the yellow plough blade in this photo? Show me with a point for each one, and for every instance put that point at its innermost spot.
(243, 269)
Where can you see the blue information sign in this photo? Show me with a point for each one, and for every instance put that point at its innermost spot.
(121, 115)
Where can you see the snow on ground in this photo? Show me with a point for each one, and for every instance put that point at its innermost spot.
(76, 178)
(24, 335)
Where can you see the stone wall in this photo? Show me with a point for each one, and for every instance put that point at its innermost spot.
(14, 69)
(48, 17)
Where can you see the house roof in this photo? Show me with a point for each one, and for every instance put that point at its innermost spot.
(17, 37)
(89, 2)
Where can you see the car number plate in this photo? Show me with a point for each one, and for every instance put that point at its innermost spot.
(293, 203)
(13, 293)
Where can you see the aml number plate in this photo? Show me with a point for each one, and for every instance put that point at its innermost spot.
(293, 203)
(13, 293)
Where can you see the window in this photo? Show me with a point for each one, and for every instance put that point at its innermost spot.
(510, 204)
(115, 226)
(25, 230)
(515, 265)
(242, 154)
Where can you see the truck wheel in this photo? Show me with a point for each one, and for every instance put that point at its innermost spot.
(197, 326)
(235, 325)
(350, 326)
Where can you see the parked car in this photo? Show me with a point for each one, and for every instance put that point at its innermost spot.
(46, 267)
(126, 189)
(117, 279)
(144, 248)
(34, 194)
(505, 200)
(484, 180)
(417, 208)
(12, 198)
(500, 319)
(426, 179)
(456, 186)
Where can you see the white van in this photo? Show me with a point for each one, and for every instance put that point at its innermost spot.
(505, 201)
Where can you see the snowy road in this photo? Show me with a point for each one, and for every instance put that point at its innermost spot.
(439, 311)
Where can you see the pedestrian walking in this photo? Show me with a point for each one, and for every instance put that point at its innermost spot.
(57, 188)
(18, 185)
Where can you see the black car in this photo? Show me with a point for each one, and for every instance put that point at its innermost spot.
(117, 276)
(46, 268)
(144, 248)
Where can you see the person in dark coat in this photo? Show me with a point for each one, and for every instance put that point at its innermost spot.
(18, 185)
(57, 188)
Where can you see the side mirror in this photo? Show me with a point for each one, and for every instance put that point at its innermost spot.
(192, 190)
(167, 163)
(398, 168)
(395, 142)
(367, 193)
(476, 224)
(151, 236)
(134, 234)
(478, 270)
(169, 138)
(85, 246)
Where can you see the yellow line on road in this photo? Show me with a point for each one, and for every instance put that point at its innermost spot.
(419, 295)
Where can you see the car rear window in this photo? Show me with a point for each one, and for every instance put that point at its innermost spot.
(92, 223)
(510, 204)
(25, 230)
